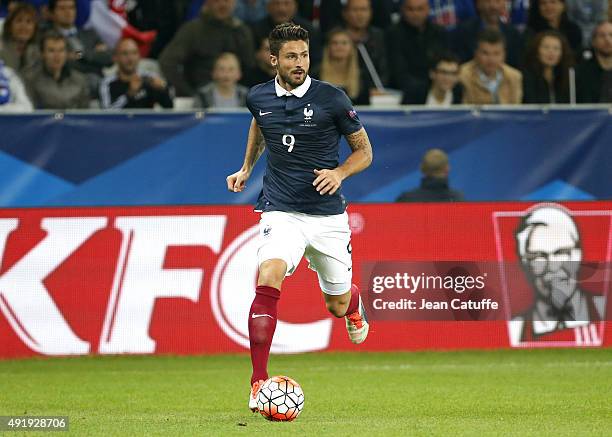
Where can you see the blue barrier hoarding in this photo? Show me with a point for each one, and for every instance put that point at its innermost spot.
(151, 159)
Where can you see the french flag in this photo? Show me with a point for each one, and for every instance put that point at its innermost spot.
(109, 19)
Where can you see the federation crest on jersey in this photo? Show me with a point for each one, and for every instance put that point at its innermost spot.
(554, 267)
(308, 113)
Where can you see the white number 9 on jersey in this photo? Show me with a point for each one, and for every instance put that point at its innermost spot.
(289, 141)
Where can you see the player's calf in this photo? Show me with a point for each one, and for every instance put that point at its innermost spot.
(262, 324)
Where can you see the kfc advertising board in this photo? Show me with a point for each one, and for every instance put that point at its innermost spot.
(146, 280)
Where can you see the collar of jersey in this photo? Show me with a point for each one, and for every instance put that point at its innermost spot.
(297, 92)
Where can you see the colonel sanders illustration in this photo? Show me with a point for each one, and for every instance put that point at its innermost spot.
(549, 248)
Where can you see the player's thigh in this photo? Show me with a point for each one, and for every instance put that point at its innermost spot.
(281, 239)
(329, 253)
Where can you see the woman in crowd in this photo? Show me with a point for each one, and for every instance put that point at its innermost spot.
(223, 91)
(546, 72)
(340, 66)
(19, 48)
(552, 15)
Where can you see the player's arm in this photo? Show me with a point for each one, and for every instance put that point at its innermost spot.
(255, 147)
(328, 181)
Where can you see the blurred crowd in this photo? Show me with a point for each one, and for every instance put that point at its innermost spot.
(114, 54)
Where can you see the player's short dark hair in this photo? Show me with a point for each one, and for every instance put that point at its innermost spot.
(491, 36)
(286, 32)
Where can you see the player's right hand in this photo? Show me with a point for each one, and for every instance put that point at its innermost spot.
(237, 182)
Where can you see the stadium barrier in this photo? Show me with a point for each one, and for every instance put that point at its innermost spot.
(180, 279)
(85, 159)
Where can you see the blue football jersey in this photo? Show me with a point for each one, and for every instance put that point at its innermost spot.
(302, 134)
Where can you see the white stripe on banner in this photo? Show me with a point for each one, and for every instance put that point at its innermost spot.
(586, 335)
(578, 336)
(594, 335)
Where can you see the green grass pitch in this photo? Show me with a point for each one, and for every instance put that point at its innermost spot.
(508, 392)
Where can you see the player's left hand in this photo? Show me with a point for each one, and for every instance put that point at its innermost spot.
(327, 181)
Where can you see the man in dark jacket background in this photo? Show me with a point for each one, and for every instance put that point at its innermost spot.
(411, 45)
(490, 15)
(594, 77)
(187, 62)
(434, 184)
(284, 11)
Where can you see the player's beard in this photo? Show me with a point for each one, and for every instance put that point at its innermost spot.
(289, 79)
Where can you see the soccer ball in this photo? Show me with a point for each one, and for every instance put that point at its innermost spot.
(280, 398)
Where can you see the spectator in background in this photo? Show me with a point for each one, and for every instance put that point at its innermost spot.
(587, 14)
(552, 15)
(434, 184)
(411, 45)
(518, 14)
(55, 85)
(330, 12)
(310, 10)
(224, 90)
(13, 96)
(491, 14)
(357, 15)
(263, 71)
(128, 88)
(487, 79)
(546, 71)
(594, 77)
(340, 67)
(188, 60)
(250, 11)
(449, 13)
(163, 16)
(445, 89)
(5, 7)
(247, 11)
(19, 49)
(284, 11)
(86, 51)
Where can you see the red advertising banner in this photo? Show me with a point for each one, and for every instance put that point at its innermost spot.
(181, 279)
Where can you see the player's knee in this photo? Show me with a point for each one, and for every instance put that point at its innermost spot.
(272, 273)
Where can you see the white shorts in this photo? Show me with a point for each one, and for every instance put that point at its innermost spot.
(325, 240)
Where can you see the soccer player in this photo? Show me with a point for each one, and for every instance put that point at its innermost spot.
(300, 121)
